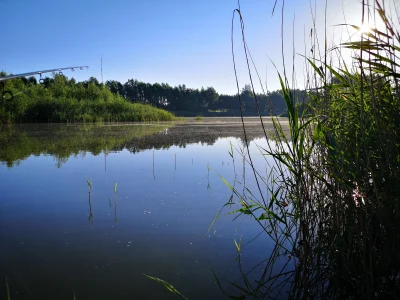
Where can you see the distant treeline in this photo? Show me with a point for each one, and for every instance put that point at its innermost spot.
(60, 99)
(183, 99)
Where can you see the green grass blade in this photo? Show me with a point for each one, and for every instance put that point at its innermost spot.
(167, 286)
(237, 245)
(316, 69)
(226, 182)
(215, 219)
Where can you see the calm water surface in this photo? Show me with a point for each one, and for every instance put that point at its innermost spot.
(57, 240)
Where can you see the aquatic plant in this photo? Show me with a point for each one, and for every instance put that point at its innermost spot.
(330, 202)
(166, 285)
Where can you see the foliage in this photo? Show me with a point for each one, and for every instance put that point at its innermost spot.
(61, 100)
(330, 202)
(167, 286)
(165, 96)
(181, 98)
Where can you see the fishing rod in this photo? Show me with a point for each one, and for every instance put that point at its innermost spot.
(8, 95)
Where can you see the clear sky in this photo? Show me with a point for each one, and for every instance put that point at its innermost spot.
(176, 41)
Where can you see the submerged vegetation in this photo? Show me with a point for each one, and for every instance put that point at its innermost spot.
(63, 100)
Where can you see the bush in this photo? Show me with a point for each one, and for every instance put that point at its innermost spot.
(60, 100)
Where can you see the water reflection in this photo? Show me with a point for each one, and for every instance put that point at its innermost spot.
(63, 233)
(18, 142)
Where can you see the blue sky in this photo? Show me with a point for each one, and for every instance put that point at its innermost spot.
(177, 41)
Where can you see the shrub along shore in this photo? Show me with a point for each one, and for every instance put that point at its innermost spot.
(62, 100)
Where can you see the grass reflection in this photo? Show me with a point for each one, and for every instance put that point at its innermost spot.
(18, 142)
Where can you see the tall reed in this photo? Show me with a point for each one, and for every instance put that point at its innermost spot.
(332, 206)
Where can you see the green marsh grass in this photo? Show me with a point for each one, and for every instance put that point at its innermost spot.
(332, 206)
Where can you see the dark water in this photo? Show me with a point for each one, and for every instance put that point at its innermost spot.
(57, 240)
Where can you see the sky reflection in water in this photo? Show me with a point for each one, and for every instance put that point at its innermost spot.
(56, 242)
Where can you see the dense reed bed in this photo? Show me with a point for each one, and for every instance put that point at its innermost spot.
(331, 200)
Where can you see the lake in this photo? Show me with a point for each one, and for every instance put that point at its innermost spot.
(155, 191)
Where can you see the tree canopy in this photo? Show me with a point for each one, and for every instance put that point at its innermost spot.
(183, 99)
(62, 99)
